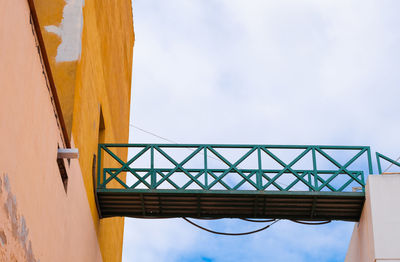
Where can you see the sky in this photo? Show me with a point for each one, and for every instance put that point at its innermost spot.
(261, 72)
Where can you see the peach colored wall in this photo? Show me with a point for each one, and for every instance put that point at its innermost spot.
(95, 74)
(98, 77)
(377, 236)
(58, 225)
(362, 242)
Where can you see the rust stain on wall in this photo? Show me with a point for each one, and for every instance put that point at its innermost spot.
(14, 234)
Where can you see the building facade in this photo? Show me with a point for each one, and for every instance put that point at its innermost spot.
(376, 237)
(65, 80)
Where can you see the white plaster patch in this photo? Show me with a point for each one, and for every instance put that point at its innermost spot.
(70, 31)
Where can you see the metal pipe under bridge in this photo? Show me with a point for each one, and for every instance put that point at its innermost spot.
(232, 181)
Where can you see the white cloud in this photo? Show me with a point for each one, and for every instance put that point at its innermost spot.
(263, 72)
(157, 240)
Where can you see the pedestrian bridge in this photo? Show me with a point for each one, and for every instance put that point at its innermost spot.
(304, 182)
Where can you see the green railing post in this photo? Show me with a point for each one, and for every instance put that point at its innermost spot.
(363, 180)
(379, 163)
(259, 172)
(315, 172)
(370, 170)
(309, 181)
(152, 172)
(98, 166)
(205, 168)
(103, 174)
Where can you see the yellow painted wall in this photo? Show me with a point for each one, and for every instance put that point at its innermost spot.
(100, 78)
(51, 13)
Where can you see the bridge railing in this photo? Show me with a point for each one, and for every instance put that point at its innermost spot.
(392, 162)
(234, 167)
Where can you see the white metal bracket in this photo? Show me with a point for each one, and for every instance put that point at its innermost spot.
(69, 153)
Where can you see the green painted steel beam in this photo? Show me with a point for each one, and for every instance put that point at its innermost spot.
(238, 146)
(260, 178)
(121, 191)
(379, 156)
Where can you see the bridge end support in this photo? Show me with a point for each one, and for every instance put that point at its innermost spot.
(377, 235)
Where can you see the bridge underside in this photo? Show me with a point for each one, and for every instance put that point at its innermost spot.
(296, 205)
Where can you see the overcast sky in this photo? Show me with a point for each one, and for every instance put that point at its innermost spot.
(261, 72)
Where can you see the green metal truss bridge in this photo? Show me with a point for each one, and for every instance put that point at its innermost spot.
(304, 182)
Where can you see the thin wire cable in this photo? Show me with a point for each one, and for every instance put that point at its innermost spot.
(150, 133)
(391, 164)
(258, 221)
(154, 217)
(169, 140)
(174, 142)
(229, 234)
(312, 223)
(209, 218)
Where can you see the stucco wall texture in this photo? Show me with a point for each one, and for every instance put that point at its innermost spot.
(96, 78)
(100, 79)
(38, 221)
